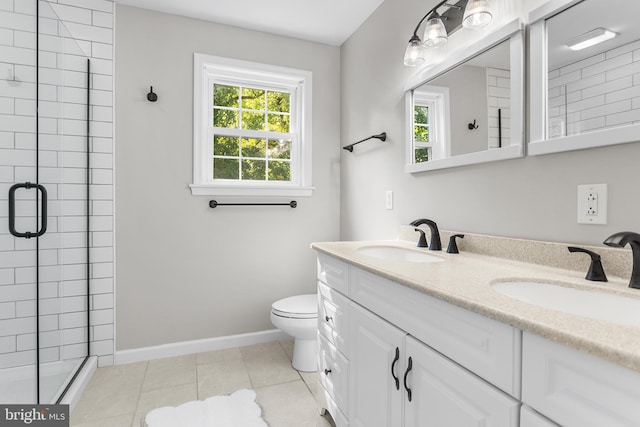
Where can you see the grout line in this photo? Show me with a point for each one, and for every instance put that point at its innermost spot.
(277, 384)
(244, 363)
(197, 379)
(308, 388)
(144, 377)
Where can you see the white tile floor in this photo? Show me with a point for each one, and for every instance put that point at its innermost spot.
(119, 396)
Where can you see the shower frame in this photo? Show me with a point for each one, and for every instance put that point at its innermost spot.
(76, 362)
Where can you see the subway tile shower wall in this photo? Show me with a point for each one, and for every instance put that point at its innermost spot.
(90, 23)
(595, 93)
(499, 98)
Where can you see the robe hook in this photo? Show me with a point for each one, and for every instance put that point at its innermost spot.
(152, 96)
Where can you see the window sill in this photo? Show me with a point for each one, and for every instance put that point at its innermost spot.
(217, 190)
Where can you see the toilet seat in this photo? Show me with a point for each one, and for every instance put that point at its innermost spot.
(297, 307)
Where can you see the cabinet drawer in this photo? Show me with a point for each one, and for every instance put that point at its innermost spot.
(530, 418)
(334, 373)
(334, 273)
(333, 316)
(486, 347)
(576, 389)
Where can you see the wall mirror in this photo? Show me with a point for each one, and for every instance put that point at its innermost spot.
(469, 108)
(585, 86)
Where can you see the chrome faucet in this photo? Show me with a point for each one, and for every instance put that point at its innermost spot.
(435, 245)
(620, 240)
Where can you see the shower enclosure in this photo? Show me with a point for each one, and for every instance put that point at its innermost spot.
(44, 204)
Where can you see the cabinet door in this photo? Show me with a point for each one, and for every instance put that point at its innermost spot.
(375, 346)
(575, 389)
(445, 394)
(484, 346)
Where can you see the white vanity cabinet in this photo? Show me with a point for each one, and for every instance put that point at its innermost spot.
(333, 323)
(397, 380)
(486, 347)
(382, 339)
(389, 323)
(445, 394)
(376, 380)
(575, 389)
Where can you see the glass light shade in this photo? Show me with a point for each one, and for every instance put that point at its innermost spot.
(435, 34)
(477, 14)
(414, 55)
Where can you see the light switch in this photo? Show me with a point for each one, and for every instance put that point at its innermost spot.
(389, 200)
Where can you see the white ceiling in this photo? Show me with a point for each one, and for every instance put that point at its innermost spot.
(324, 21)
(620, 16)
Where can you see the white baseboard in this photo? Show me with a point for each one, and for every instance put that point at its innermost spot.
(196, 346)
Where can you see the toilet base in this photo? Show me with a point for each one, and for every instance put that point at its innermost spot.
(305, 355)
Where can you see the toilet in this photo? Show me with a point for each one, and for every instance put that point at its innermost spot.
(297, 316)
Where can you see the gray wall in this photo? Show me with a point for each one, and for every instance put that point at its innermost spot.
(468, 102)
(185, 271)
(531, 198)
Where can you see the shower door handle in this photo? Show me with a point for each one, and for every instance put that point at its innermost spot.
(12, 210)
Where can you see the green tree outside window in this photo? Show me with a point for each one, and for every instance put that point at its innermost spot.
(244, 157)
(421, 132)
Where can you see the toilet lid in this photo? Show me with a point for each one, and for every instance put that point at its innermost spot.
(299, 306)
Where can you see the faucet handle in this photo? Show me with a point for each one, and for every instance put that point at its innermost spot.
(453, 246)
(596, 270)
(422, 241)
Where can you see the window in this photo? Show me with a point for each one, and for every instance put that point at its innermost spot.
(252, 129)
(430, 115)
(422, 144)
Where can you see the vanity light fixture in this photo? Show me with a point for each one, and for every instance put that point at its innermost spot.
(477, 14)
(414, 54)
(435, 33)
(590, 38)
(468, 13)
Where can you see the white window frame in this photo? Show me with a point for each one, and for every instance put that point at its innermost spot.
(431, 125)
(437, 99)
(206, 70)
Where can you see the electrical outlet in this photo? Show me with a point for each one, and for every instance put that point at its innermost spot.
(592, 204)
(389, 200)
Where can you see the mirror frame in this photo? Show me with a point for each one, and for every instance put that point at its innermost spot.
(512, 31)
(538, 72)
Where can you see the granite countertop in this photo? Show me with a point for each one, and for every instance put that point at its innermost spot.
(465, 280)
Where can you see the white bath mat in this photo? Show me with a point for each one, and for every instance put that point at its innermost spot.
(236, 410)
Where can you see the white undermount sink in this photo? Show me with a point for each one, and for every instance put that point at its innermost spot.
(395, 253)
(582, 302)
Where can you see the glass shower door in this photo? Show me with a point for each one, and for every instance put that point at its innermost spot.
(18, 255)
(63, 169)
(44, 204)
